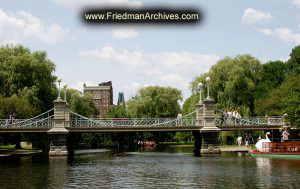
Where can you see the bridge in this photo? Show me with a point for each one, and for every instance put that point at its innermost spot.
(59, 121)
(78, 123)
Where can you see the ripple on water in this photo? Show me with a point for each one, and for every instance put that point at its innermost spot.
(149, 170)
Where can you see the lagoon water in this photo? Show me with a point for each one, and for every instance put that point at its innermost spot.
(170, 167)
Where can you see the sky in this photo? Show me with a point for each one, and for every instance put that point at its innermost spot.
(136, 56)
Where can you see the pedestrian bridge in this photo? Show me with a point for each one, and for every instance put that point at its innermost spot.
(78, 123)
(59, 122)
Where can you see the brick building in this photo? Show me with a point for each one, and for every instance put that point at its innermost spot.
(102, 96)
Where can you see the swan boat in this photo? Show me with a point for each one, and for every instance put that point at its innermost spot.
(266, 148)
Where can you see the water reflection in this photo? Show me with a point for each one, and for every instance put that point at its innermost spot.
(58, 170)
(167, 167)
(263, 171)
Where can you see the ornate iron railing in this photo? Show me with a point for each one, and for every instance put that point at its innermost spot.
(81, 121)
(250, 121)
(44, 120)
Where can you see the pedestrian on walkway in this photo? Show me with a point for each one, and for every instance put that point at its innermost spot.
(239, 141)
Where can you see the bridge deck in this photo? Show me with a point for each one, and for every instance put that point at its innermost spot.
(141, 128)
(83, 124)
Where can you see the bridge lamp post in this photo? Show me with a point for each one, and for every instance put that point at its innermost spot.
(65, 90)
(207, 83)
(59, 81)
(200, 85)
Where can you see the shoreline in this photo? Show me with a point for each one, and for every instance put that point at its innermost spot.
(222, 148)
(10, 152)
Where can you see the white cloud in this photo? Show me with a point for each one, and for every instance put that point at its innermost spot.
(79, 85)
(79, 4)
(265, 31)
(133, 88)
(284, 34)
(17, 27)
(175, 69)
(124, 33)
(134, 61)
(252, 16)
(175, 79)
(295, 2)
(287, 35)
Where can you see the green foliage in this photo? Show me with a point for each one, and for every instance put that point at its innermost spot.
(28, 74)
(227, 137)
(293, 64)
(82, 105)
(232, 84)
(20, 106)
(155, 101)
(183, 136)
(284, 99)
(117, 111)
(271, 76)
(189, 104)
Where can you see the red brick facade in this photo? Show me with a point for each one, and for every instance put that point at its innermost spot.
(102, 96)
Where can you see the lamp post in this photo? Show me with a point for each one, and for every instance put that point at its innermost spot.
(65, 88)
(200, 85)
(59, 80)
(207, 83)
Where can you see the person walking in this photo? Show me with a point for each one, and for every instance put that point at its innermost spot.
(246, 140)
(239, 140)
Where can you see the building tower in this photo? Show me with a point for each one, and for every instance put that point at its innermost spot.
(121, 100)
(102, 96)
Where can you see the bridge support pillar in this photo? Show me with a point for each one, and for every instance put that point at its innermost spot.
(197, 143)
(210, 143)
(58, 133)
(209, 131)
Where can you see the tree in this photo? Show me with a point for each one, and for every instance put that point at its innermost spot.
(271, 76)
(293, 64)
(284, 99)
(28, 74)
(117, 111)
(189, 104)
(155, 101)
(183, 136)
(21, 107)
(233, 82)
(82, 105)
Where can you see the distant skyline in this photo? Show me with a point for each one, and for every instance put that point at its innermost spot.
(136, 56)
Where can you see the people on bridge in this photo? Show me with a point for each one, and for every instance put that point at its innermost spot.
(179, 119)
(11, 118)
(232, 115)
(237, 117)
(267, 119)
